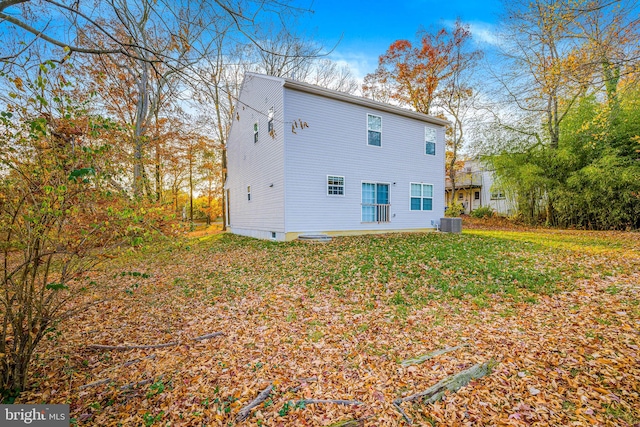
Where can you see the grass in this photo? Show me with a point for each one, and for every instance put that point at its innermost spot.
(402, 271)
(345, 313)
(411, 268)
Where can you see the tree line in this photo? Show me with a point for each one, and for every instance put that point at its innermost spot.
(552, 109)
(113, 122)
(114, 117)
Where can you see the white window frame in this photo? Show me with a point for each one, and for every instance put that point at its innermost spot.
(270, 116)
(336, 186)
(374, 130)
(422, 196)
(429, 133)
(376, 183)
(256, 131)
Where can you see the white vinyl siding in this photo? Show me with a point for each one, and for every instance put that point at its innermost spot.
(289, 171)
(332, 144)
(259, 165)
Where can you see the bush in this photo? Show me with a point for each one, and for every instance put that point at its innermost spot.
(482, 212)
(454, 210)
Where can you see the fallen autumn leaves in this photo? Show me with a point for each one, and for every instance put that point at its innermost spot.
(333, 322)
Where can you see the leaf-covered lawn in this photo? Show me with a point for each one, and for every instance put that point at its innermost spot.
(556, 313)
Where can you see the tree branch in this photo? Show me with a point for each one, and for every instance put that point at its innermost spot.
(131, 347)
(244, 412)
(55, 42)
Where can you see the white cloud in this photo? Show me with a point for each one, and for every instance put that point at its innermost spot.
(358, 62)
(483, 33)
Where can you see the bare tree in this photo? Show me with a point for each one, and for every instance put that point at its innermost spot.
(23, 18)
(329, 74)
(457, 97)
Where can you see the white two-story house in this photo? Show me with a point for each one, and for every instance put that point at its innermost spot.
(302, 159)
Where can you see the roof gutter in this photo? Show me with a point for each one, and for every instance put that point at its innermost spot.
(364, 102)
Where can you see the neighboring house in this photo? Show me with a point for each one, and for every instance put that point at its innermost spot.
(302, 159)
(475, 188)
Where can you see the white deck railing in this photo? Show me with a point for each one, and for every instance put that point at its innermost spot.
(381, 212)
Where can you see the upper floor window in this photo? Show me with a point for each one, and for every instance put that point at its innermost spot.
(374, 130)
(270, 122)
(248, 192)
(335, 185)
(255, 132)
(429, 141)
(421, 197)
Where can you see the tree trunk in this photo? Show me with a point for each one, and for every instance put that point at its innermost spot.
(142, 107)
(158, 177)
(222, 141)
(191, 183)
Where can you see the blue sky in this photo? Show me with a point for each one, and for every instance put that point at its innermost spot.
(368, 28)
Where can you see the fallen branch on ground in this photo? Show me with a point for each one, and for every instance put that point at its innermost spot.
(428, 356)
(95, 383)
(149, 346)
(130, 347)
(452, 383)
(349, 423)
(131, 362)
(138, 384)
(107, 380)
(207, 336)
(335, 401)
(244, 412)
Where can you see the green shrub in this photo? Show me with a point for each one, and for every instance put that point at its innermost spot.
(482, 212)
(455, 209)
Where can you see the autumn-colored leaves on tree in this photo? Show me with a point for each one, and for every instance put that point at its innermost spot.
(569, 73)
(99, 146)
(415, 75)
(432, 76)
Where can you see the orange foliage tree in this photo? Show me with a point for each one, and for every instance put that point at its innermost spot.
(434, 72)
(414, 74)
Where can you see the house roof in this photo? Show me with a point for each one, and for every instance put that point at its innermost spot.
(353, 99)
